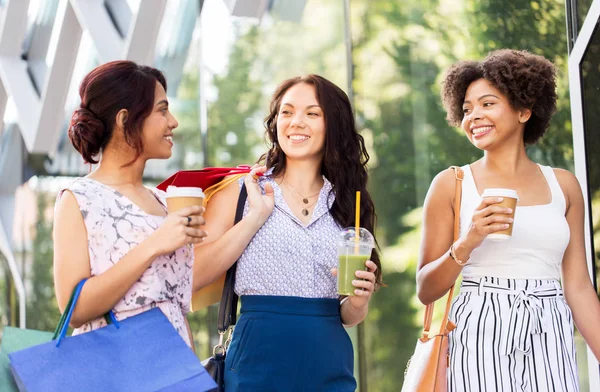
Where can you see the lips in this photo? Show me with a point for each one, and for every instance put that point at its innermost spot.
(298, 138)
(169, 138)
(481, 131)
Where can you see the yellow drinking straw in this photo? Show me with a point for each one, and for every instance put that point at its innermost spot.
(357, 224)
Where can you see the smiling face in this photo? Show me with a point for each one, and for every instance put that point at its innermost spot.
(157, 129)
(301, 123)
(489, 119)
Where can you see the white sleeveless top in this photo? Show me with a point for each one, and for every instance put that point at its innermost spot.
(539, 240)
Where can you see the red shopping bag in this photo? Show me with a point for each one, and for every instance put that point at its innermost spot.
(211, 180)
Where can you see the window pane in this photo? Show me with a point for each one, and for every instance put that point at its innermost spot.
(583, 6)
(591, 99)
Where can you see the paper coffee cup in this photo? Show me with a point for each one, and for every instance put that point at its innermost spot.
(510, 199)
(179, 197)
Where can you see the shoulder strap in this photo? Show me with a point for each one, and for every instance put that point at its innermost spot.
(211, 190)
(229, 299)
(459, 174)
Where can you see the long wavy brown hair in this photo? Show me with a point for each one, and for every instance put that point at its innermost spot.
(345, 155)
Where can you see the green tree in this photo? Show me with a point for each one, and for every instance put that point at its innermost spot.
(539, 27)
(42, 310)
(232, 131)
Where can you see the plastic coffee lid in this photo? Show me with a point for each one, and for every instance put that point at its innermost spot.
(500, 192)
(348, 237)
(184, 191)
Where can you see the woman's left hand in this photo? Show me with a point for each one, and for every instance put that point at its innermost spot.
(364, 285)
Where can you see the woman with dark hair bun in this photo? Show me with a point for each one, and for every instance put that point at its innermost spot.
(290, 334)
(108, 226)
(521, 247)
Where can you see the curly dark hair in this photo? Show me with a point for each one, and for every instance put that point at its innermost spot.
(527, 80)
(345, 158)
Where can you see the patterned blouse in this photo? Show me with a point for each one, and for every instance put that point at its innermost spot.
(288, 258)
(115, 226)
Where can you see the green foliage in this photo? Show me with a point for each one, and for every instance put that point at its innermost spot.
(392, 333)
(4, 278)
(42, 310)
(232, 131)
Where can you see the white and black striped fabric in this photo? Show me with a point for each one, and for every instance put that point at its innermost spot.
(512, 335)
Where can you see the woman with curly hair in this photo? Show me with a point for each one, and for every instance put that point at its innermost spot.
(514, 328)
(290, 335)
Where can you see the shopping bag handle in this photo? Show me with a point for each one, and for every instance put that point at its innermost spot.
(65, 319)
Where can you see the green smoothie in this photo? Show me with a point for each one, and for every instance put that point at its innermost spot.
(347, 266)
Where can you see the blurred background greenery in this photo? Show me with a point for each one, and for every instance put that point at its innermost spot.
(400, 50)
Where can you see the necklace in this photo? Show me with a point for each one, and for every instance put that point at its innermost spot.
(305, 199)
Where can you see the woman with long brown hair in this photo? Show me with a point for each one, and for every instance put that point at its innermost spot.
(290, 335)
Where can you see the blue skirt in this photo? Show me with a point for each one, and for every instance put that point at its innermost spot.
(289, 344)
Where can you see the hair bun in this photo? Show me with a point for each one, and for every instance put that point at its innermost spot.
(87, 134)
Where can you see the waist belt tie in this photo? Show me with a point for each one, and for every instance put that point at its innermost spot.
(527, 314)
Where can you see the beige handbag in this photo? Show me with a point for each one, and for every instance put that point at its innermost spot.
(426, 370)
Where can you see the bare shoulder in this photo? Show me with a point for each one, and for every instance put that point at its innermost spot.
(569, 185)
(442, 187)
(225, 199)
(565, 177)
(67, 205)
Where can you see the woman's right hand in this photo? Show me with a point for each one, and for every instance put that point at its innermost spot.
(488, 218)
(180, 228)
(259, 206)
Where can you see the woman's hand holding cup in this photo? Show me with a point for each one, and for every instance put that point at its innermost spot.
(180, 228)
(493, 218)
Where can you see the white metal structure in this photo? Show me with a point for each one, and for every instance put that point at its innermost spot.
(40, 109)
(576, 90)
(39, 56)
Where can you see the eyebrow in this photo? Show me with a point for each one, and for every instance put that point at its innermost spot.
(163, 101)
(308, 107)
(482, 97)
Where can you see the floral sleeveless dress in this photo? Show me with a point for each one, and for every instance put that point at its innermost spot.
(115, 226)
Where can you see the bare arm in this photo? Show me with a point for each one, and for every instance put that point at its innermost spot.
(578, 289)
(225, 242)
(102, 292)
(437, 271)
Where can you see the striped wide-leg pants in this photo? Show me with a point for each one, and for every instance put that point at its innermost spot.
(512, 335)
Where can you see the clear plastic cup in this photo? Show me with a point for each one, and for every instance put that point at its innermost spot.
(352, 257)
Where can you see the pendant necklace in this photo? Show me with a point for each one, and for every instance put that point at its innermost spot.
(305, 199)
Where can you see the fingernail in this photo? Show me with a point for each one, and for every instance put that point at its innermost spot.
(509, 210)
(499, 198)
(506, 225)
(354, 282)
(511, 220)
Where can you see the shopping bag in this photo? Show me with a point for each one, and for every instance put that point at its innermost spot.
(140, 353)
(211, 180)
(14, 339)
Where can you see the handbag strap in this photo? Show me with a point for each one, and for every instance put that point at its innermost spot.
(229, 299)
(65, 319)
(213, 189)
(459, 174)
